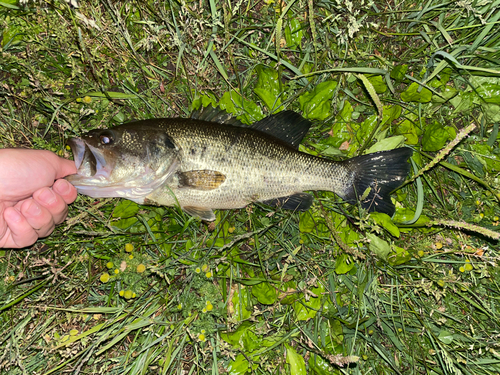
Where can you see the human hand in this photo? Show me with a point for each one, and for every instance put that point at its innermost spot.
(29, 207)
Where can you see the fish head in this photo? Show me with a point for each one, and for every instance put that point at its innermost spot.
(127, 161)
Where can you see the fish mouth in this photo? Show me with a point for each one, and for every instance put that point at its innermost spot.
(90, 161)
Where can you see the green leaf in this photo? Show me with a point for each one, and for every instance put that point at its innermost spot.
(293, 33)
(436, 136)
(240, 365)
(410, 130)
(445, 337)
(265, 293)
(385, 222)
(378, 246)
(124, 224)
(489, 92)
(398, 72)
(304, 309)
(484, 153)
(306, 223)
(125, 209)
(341, 264)
(398, 256)
(268, 86)
(319, 366)
(316, 104)
(234, 103)
(387, 144)
(463, 102)
(296, 361)
(243, 338)
(378, 83)
(414, 94)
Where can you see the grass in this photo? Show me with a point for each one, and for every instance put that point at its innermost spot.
(331, 290)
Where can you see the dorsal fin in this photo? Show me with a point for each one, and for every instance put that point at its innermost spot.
(218, 115)
(288, 126)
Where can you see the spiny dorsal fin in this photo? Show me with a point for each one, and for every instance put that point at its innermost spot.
(201, 180)
(288, 126)
(218, 115)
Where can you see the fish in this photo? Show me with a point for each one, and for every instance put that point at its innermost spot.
(212, 161)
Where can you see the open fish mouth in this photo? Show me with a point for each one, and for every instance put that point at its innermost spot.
(89, 161)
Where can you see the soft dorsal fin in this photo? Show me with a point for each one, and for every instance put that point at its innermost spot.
(288, 126)
(218, 115)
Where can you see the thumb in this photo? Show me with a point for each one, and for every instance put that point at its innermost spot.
(64, 167)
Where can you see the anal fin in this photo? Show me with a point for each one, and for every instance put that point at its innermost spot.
(202, 212)
(298, 201)
(201, 180)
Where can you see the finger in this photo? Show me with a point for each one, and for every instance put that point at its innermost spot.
(3, 224)
(65, 190)
(53, 203)
(19, 233)
(38, 217)
(63, 167)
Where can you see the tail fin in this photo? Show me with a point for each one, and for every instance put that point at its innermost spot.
(375, 176)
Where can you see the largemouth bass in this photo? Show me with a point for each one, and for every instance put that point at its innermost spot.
(215, 162)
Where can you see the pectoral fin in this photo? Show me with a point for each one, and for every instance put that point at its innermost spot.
(298, 201)
(201, 180)
(202, 212)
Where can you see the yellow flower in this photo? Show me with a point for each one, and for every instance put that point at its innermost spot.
(209, 307)
(141, 268)
(439, 245)
(461, 269)
(129, 248)
(122, 293)
(204, 268)
(204, 310)
(110, 265)
(87, 99)
(179, 306)
(201, 337)
(104, 277)
(231, 230)
(468, 267)
(208, 275)
(421, 253)
(130, 256)
(117, 271)
(128, 294)
(197, 270)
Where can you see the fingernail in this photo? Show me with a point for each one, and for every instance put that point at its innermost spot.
(63, 187)
(47, 196)
(33, 209)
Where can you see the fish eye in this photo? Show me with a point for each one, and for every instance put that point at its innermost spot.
(106, 138)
